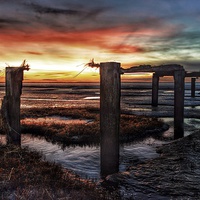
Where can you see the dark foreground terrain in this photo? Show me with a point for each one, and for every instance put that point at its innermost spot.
(174, 174)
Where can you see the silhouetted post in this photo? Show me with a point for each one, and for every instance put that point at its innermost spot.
(179, 89)
(109, 117)
(155, 86)
(193, 80)
(11, 103)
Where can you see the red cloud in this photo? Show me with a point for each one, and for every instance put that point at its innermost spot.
(126, 49)
(99, 38)
(34, 53)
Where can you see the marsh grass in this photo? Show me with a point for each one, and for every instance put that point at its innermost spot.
(131, 127)
(25, 175)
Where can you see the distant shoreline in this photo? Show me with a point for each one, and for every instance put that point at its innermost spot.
(95, 82)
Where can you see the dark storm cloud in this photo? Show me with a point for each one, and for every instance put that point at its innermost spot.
(63, 16)
(50, 10)
(10, 21)
(85, 13)
(88, 15)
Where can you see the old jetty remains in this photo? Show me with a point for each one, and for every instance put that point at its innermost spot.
(110, 91)
(110, 105)
(10, 109)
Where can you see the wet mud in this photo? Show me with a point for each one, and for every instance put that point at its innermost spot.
(175, 174)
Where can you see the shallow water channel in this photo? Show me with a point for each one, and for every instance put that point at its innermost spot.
(85, 161)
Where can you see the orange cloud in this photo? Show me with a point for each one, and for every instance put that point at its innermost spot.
(34, 53)
(96, 37)
(126, 49)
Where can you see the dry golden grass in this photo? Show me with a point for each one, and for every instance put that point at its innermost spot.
(25, 175)
(131, 127)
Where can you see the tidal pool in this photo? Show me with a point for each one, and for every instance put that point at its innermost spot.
(85, 161)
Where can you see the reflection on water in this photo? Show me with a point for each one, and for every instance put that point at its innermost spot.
(85, 161)
(82, 160)
(91, 98)
(191, 125)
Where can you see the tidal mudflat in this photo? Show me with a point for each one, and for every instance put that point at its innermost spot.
(48, 111)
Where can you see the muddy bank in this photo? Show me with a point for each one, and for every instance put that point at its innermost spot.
(175, 174)
(25, 175)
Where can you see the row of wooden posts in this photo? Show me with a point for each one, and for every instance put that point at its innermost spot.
(110, 89)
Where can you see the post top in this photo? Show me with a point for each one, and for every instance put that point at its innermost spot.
(23, 66)
(112, 62)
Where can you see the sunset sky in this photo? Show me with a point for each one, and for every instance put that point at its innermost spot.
(57, 37)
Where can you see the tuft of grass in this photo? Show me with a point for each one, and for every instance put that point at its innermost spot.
(25, 175)
(75, 113)
(131, 127)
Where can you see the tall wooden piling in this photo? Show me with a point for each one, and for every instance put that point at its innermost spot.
(11, 103)
(109, 117)
(155, 87)
(193, 80)
(179, 90)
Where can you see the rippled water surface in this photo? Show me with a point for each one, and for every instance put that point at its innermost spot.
(85, 161)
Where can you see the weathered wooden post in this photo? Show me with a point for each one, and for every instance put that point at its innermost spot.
(193, 80)
(179, 89)
(155, 87)
(11, 103)
(109, 117)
